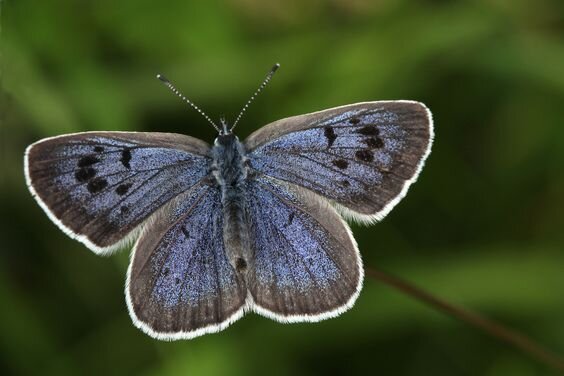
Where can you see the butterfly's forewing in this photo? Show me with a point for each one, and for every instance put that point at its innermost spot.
(306, 265)
(180, 283)
(363, 156)
(100, 186)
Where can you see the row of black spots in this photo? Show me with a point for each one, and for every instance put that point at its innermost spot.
(96, 185)
(87, 173)
(330, 135)
(372, 141)
(123, 188)
(85, 170)
(340, 163)
(126, 158)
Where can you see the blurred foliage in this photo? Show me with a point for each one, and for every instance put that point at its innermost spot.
(482, 227)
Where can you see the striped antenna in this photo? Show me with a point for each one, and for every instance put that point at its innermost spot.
(264, 83)
(165, 81)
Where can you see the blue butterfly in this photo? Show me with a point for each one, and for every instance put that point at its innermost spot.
(238, 226)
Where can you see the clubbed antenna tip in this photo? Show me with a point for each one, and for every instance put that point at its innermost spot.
(163, 78)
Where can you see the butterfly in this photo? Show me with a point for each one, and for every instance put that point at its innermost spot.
(237, 226)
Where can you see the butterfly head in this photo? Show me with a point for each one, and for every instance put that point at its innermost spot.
(225, 131)
(226, 136)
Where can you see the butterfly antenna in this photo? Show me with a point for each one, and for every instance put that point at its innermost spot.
(165, 81)
(262, 86)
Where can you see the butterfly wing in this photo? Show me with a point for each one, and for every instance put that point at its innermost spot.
(180, 283)
(99, 187)
(363, 157)
(306, 265)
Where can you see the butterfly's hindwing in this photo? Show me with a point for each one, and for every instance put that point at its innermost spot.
(363, 156)
(306, 266)
(180, 282)
(99, 186)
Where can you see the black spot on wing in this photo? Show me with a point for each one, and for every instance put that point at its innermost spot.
(98, 149)
(166, 271)
(185, 232)
(364, 155)
(126, 158)
(374, 142)
(340, 163)
(96, 185)
(123, 188)
(354, 120)
(345, 183)
(330, 135)
(291, 218)
(84, 174)
(88, 160)
(368, 130)
(124, 209)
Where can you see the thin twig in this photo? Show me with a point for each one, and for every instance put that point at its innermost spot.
(497, 330)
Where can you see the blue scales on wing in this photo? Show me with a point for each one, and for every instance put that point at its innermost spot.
(306, 266)
(362, 156)
(180, 282)
(100, 186)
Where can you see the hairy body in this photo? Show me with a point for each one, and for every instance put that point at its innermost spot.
(230, 173)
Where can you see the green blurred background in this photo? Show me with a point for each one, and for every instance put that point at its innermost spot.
(483, 226)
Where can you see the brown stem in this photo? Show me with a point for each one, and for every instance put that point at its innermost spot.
(497, 330)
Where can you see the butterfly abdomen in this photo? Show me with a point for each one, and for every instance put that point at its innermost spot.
(230, 174)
